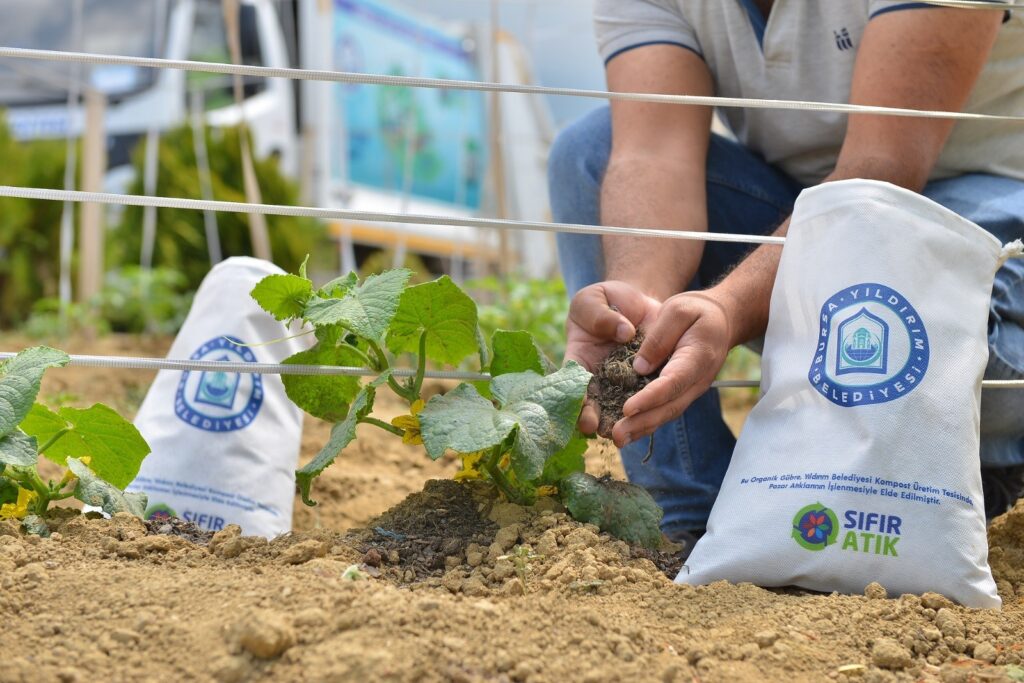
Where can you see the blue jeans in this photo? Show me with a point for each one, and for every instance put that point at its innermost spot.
(747, 195)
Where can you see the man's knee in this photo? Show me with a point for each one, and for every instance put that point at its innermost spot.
(580, 151)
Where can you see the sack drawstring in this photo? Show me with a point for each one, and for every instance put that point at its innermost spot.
(1014, 249)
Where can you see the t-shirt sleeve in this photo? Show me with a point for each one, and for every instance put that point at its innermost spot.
(877, 7)
(621, 25)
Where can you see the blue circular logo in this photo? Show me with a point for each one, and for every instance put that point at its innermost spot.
(219, 401)
(872, 347)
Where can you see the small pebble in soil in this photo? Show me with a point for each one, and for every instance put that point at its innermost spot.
(372, 558)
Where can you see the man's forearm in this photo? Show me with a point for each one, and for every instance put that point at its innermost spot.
(746, 292)
(653, 193)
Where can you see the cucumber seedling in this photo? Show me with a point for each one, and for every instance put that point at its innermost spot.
(518, 430)
(100, 451)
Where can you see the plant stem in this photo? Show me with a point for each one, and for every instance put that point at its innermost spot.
(421, 365)
(53, 440)
(499, 478)
(404, 392)
(28, 478)
(381, 361)
(383, 425)
(359, 352)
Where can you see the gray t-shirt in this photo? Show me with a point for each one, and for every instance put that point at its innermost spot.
(806, 51)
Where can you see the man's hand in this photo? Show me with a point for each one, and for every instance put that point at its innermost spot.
(601, 317)
(692, 332)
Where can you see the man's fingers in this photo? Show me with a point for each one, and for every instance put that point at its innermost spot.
(683, 371)
(630, 429)
(591, 310)
(589, 418)
(661, 338)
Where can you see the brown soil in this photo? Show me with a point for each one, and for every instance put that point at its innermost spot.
(521, 594)
(616, 382)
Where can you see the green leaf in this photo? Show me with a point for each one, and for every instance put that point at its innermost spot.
(548, 408)
(541, 410)
(463, 421)
(339, 286)
(622, 509)
(444, 312)
(44, 424)
(341, 436)
(283, 296)
(329, 335)
(113, 443)
(366, 310)
(92, 490)
(8, 491)
(566, 461)
(324, 396)
(517, 352)
(19, 384)
(18, 449)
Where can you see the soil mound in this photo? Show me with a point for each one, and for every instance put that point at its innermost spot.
(535, 597)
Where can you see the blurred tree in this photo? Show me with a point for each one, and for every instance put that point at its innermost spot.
(29, 229)
(180, 234)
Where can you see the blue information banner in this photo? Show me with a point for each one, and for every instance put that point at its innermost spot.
(436, 138)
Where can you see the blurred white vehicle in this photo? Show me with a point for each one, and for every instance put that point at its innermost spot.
(375, 148)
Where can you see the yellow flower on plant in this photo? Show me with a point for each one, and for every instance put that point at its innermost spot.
(471, 463)
(69, 476)
(19, 509)
(410, 424)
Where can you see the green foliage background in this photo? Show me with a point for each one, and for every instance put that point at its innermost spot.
(181, 236)
(539, 307)
(29, 229)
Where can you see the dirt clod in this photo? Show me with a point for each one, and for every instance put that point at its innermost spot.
(875, 591)
(950, 625)
(889, 654)
(986, 652)
(935, 601)
(304, 551)
(262, 634)
(615, 382)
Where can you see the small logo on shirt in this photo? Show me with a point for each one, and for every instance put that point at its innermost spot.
(843, 39)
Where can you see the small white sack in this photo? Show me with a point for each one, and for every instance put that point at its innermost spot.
(225, 445)
(860, 462)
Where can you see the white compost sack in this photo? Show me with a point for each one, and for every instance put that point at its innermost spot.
(860, 462)
(225, 445)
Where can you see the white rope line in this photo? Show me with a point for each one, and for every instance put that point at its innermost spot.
(139, 363)
(972, 4)
(447, 83)
(368, 216)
